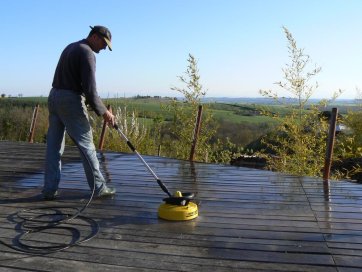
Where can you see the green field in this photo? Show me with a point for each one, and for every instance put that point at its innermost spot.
(242, 123)
(150, 108)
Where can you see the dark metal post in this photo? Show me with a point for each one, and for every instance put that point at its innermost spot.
(101, 140)
(330, 145)
(196, 133)
(159, 150)
(33, 124)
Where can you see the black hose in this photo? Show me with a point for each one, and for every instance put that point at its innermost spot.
(37, 220)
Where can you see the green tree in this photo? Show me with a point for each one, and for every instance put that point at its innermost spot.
(298, 142)
(184, 114)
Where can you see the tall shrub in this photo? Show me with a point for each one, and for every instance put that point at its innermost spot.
(298, 143)
(131, 126)
(184, 114)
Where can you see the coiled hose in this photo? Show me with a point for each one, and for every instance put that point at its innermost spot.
(37, 220)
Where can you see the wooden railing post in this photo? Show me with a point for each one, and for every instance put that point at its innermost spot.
(33, 124)
(196, 133)
(101, 140)
(330, 145)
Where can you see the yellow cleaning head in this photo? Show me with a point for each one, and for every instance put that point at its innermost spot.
(179, 212)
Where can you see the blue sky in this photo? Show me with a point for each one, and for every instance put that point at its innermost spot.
(240, 45)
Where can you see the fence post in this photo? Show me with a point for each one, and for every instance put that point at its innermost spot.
(196, 133)
(330, 145)
(33, 124)
(101, 140)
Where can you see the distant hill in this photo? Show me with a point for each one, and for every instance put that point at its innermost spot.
(263, 100)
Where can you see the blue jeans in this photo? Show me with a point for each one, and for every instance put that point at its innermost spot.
(67, 111)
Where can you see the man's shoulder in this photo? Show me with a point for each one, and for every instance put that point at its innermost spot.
(80, 47)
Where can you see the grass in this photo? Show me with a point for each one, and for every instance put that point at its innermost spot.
(150, 108)
(224, 115)
(236, 118)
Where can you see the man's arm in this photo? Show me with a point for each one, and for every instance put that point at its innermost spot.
(89, 85)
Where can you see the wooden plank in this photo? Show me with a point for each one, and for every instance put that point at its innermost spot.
(250, 220)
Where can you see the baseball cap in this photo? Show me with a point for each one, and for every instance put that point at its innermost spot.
(104, 32)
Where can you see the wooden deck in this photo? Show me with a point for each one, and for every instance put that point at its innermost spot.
(249, 220)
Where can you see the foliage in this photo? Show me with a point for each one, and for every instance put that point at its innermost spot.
(298, 142)
(16, 113)
(353, 121)
(129, 123)
(350, 143)
(296, 77)
(241, 134)
(180, 133)
(223, 151)
(15, 122)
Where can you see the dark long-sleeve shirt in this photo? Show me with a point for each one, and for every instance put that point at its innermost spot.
(76, 71)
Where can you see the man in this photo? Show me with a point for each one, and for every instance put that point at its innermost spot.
(74, 83)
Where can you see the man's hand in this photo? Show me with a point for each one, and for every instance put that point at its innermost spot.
(109, 118)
